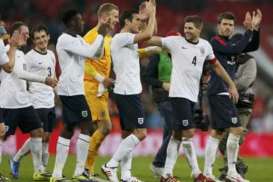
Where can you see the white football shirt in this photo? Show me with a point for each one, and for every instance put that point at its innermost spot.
(188, 60)
(126, 64)
(3, 53)
(72, 51)
(13, 88)
(42, 95)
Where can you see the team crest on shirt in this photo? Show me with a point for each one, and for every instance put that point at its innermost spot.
(140, 121)
(185, 122)
(84, 114)
(234, 120)
(24, 67)
(202, 50)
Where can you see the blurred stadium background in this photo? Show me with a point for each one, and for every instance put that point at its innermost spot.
(170, 15)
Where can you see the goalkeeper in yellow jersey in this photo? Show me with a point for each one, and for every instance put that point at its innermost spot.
(96, 81)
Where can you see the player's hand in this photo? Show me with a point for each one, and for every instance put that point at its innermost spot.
(166, 86)
(52, 82)
(16, 40)
(108, 82)
(248, 21)
(2, 129)
(256, 19)
(233, 94)
(150, 8)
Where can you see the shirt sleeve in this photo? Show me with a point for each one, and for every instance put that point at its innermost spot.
(210, 54)
(123, 39)
(168, 42)
(79, 47)
(3, 54)
(230, 47)
(25, 75)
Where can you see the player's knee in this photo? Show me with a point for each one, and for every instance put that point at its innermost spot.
(125, 133)
(106, 127)
(188, 133)
(217, 134)
(140, 133)
(46, 137)
(37, 132)
(237, 131)
(86, 128)
(177, 135)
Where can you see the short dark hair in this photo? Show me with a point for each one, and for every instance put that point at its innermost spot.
(69, 15)
(195, 19)
(226, 15)
(38, 28)
(106, 7)
(16, 26)
(127, 15)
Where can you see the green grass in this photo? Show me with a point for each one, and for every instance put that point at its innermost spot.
(260, 169)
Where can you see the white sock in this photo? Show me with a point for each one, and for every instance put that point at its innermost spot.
(126, 166)
(45, 154)
(61, 155)
(36, 152)
(23, 150)
(82, 152)
(189, 151)
(172, 154)
(232, 152)
(210, 154)
(125, 147)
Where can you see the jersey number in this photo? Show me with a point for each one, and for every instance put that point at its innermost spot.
(49, 72)
(194, 61)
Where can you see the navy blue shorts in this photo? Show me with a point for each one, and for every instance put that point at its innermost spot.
(223, 112)
(26, 119)
(75, 110)
(47, 117)
(183, 110)
(131, 111)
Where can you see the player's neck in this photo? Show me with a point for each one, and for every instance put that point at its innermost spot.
(125, 29)
(71, 32)
(40, 51)
(194, 41)
(223, 36)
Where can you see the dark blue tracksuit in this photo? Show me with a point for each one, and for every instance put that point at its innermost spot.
(223, 111)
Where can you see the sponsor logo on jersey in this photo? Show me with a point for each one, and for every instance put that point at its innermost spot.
(140, 121)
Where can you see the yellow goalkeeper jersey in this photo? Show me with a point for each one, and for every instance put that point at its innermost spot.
(101, 66)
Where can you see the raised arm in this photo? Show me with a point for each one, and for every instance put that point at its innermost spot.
(81, 48)
(14, 42)
(149, 51)
(147, 33)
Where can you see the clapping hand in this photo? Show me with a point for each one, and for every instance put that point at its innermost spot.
(256, 19)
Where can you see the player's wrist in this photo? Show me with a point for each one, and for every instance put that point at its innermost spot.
(99, 78)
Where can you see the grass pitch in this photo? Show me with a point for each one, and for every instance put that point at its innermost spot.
(260, 169)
